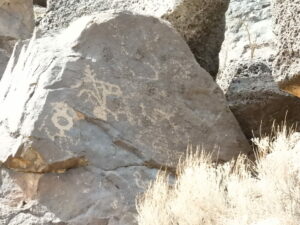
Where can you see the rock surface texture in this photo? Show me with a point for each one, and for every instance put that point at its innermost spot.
(3, 61)
(201, 23)
(16, 22)
(246, 69)
(16, 18)
(116, 96)
(287, 62)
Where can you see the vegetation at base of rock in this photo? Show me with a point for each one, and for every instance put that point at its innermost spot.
(238, 192)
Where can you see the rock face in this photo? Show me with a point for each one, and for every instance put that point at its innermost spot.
(248, 33)
(39, 13)
(286, 16)
(3, 61)
(116, 96)
(6, 48)
(255, 98)
(246, 71)
(16, 18)
(16, 22)
(201, 23)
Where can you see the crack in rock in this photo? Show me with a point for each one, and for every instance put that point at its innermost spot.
(31, 161)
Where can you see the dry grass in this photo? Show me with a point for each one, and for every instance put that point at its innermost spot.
(266, 192)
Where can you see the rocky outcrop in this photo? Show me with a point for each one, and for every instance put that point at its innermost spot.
(116, 96)
(246, 71)
(286, 66)
(16, 22)
(201, 23)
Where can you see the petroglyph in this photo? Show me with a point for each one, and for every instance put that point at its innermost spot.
(139, 180)
(156, 115)
(98, 93)
(62, 118)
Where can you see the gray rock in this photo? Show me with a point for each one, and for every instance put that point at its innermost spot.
(39, 13)
(246, 72)
(79, 197)
(118, 95)
(3, 61)
(16, 22)
(16, 18)
(286, 66)
(6, 48)
(255, 99)
(201, 23)
(248, 33)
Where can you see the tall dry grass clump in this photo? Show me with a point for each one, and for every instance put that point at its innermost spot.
(239, 192)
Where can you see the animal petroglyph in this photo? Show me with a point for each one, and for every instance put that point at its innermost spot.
(96, 92)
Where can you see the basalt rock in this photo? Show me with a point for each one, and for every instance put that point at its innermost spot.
(16, 22)
(255, 99)
(247, 73)
(201, 23)
(286, 15)
(4, 57)
(16, 18)
(93, 112)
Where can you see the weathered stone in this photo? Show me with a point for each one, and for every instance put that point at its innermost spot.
(6, 48)
(16, 22)
(39, 13)
(16, 18)
(248, 35)
(255, 99)
(246, 73)
(16, 204)
(286, 66)
(120, 92)
(78, 197)
(3, 61)
(201, 23)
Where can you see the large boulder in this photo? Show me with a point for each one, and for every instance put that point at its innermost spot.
(286, 16)
(116, 96)
(246, 72)
(201, 23)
